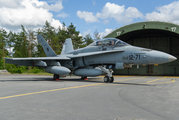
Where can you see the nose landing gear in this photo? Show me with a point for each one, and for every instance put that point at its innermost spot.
(108, 78)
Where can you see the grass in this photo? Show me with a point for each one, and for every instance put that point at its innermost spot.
(40, 73)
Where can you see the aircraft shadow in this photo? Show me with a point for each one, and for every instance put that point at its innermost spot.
(98, 80)
(48, 79)
(91, 80)
(133, 84)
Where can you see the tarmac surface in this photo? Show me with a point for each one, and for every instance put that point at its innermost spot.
(34, 97)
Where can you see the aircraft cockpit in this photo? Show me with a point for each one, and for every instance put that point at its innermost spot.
(109, 42)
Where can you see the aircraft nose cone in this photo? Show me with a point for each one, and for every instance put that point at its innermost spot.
(171, 58)
(158, 57)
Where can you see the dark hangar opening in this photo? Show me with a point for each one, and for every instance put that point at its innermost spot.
(162, 38)
(147, 33)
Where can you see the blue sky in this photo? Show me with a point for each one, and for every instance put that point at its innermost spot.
(86, 15)
(94, 6)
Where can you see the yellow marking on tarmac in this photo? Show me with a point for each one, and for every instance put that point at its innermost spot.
(163, 82)
(58, 89)
(121, 81)
(115, 76)
(172, 77)
(128, 79)
(49, 91)
(156, 79)
(82, 86)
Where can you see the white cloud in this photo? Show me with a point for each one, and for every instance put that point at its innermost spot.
(106, 32)
(80, 35)
(110, 10)
(119, 13)
(132, 12)
(94, 3)
(114, 11)
(169, 13)
(27, 13)
(87, 32)
(87, 16)
(102, 34)
(63, 15)
(106, 21)
(10, 3)
(55, 7)
(56, 23)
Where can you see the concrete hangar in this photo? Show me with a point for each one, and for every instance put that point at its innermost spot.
(162, 36)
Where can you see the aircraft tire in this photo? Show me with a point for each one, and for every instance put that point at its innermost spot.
(55, 76)
(83, 77)
(106, 79)
(111, 79)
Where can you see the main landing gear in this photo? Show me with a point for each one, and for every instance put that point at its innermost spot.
(56, 77)
(108, 78)
(84, 78)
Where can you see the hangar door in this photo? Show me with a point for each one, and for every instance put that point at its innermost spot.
(168, 44)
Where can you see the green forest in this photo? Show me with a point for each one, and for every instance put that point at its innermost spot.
(25, 44)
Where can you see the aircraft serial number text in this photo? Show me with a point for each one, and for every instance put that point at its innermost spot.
(134, 57)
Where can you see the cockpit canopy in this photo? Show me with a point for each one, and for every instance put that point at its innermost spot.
(109, 42)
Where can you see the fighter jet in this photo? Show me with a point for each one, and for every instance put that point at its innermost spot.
(99, 58)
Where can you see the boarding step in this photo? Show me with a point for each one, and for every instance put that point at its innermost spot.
(4, 71)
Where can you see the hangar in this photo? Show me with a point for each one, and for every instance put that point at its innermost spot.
(162, 36)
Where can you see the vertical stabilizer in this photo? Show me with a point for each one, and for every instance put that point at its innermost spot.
(47, 49)
(67, 47)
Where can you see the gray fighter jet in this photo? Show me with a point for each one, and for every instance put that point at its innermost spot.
(99, 58)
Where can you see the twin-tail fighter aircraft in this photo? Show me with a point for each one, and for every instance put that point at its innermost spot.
(99, 58)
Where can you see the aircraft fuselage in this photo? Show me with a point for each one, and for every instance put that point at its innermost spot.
(129, 55)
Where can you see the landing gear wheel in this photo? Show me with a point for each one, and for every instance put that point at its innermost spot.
(106, 79)
(56, 77)
(111, 79)
(84, 78)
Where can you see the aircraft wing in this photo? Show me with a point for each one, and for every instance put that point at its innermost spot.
(34, 61)
(43, 61)
(41, 58)
(92, 53)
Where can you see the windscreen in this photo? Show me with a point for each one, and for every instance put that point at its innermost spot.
(108, 42)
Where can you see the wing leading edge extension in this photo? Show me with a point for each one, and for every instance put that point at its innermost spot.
(92, 53)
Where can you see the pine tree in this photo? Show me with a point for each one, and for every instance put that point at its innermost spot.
(97, 36)
(10, 42)
(61, 35)
(32, 42)
(74, 35)
(3, 51)
(88, 39)
(21, 44)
